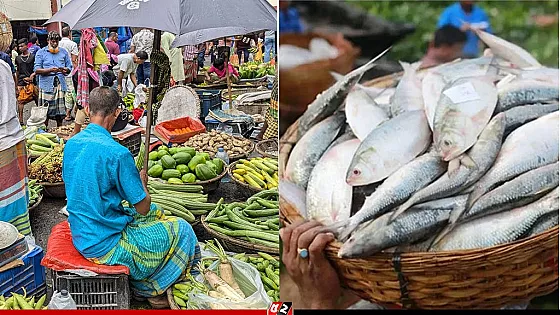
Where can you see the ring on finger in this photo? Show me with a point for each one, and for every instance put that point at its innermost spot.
(303, 252)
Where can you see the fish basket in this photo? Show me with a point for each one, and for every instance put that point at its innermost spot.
(487, 278)
(238, 91)
(54, 190)
(267, 146)
(36, 205)
(207, 185)
(236, 245)
(248, 189)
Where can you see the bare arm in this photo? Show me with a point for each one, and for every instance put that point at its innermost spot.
(133, 79)
(143, 207)
(119, 80)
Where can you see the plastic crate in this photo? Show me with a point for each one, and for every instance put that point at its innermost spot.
(30, 276)
(243, 129)
(101, 292)
(209, 100)
(132, 143)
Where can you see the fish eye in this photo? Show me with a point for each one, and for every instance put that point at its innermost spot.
(357, 172)
(446, 143)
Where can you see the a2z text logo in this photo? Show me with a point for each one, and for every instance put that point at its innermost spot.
(280, 308)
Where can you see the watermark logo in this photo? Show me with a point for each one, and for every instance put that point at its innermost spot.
(132, 4)
(280, 308)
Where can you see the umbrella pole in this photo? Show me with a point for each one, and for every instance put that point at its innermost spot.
(228, 81)
(151, 98)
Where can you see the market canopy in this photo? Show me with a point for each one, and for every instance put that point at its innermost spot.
(174, 16)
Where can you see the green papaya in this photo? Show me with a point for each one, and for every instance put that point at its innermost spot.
(205, 155)
(168, 162)
(212, 166)
(155, 171)
(188, 178)
(219, 165)
(197, 159)
(203, 172)
(162, 153)
(174, 180)
(189, 150)
(153, 156)
(173, 150)
(167, 174)
(184, 169)
(182, 157)
(151, 163)
(158, 162)
(163, 147)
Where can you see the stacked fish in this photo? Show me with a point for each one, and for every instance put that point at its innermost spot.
(463, 155)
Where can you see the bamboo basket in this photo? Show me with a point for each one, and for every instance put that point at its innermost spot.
(488, 278)
(267, 145)
(236, 245)
(37, 203)
(250, 190)
(6, 35)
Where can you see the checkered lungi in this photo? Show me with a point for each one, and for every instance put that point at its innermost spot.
(55, 99)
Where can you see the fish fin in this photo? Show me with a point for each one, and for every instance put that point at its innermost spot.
(467, 161)
(474, 196)
(370, 64)
(335, 228)
(453, 167)
(337, 76)
(346, 230)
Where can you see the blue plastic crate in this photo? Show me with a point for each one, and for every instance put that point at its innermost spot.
(209, 100)
(30, 276)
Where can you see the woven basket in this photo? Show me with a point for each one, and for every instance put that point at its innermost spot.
(238, 91)
(246, 187)
(36, 203)
(268, 145)
(488, 278)
(236, 245)
(6, 35)
(54, 190)
(208, 185)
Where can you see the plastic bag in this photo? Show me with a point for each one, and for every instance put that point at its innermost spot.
(249, 281)
(139, 95)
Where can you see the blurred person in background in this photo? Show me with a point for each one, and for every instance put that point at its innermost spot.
(269, 42)
(243, 43)
(33, 45)
(447, 45)
(175, 58)
(25, 77)
(112, 45)
(465, 15)
(190, 56)
(143, 41)
(288, 18)
(72, 49)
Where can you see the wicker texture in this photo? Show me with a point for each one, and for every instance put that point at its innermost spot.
(236, 245)
(488, 278)
(37, 203)
(6, 35)
(268, 145)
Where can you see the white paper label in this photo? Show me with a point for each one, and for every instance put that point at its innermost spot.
(462, 93)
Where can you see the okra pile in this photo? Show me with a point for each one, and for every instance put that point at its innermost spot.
(34, 191)
(269, 269)
(183, 201)
(256, 220)
(22, 302)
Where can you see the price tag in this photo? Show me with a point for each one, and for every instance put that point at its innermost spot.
(462, 93)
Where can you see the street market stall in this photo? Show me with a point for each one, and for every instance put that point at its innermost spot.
(424, 195)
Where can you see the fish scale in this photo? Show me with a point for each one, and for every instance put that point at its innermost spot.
(498, 228)
(311, 147)
(518, 191)
(395, 189)
(525, 91)
(520, 115)
(530, 146)
(544, 223)
(483, 153)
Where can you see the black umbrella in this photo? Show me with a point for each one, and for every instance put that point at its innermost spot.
(175, 16)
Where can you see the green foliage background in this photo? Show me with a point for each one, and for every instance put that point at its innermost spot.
(511, 20)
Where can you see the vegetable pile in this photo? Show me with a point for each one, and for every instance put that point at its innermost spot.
(183, 201)
(183, 165)
(48, 167)
(209, 142)
(269, 269)
(256, 220)
(41, 143)
(34, 192)
(260, 173)
(254, 70)
(129, 101)
(180, 131)
(22, 302)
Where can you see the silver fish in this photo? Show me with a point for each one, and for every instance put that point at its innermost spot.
(432, 86)
(545, 223)
(464, 109)
(329, 197)
(362, 113)
(394, 190)
(528, 147)
(540, 74)
(293, 196)
(311, 147)
(483, 153)
(506, 50)
(378, 235)
(388, 147)
(521, 115)
(408, 94)
(476, 67)
(330, 100)
(525, 91)
(521, 190)
(498, 228)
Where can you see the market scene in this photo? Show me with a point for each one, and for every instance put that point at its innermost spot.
(418, 154)
(139, 155)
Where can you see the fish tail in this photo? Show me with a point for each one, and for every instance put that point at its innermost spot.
(345, 229)
(477, 192)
